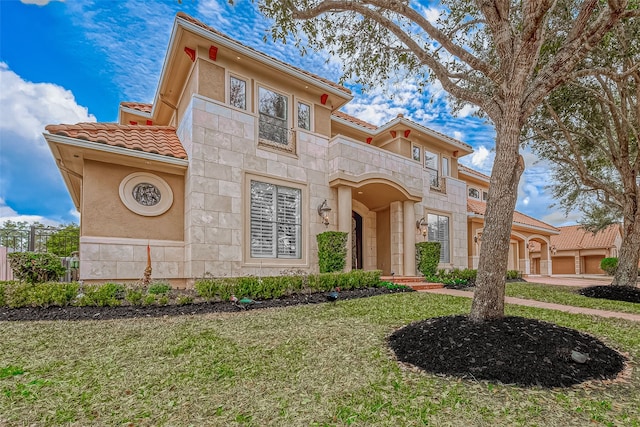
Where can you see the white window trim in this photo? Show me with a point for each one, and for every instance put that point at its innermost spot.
(450, 217)
(419, 160)
(311, 112)
(472, 197)
(248, 260)
(247, 94)
(291, 146)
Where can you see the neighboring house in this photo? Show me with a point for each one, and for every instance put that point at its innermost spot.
(526, 232)
(577, 251)
(230, 171)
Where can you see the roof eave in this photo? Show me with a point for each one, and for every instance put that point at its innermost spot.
(105, 148)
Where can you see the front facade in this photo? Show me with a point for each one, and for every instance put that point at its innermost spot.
(241, 161)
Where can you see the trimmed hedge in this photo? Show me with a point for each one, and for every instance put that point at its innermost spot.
(332, 251)
(428, 254)
(278, 286)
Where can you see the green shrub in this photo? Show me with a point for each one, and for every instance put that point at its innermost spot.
(184, 300)
(22, 294)
(104, 295)
(149, 299)
(134, 296)
(36, 267)
(163, 300)
(332, 251)
(609, 265)
(455, 277)
(159, 288)
(428, 254)
(513, 274)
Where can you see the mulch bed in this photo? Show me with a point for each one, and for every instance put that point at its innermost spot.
(617, 293)
(512, 350)
(130, 311)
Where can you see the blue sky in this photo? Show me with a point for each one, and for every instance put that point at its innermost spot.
(75, 61)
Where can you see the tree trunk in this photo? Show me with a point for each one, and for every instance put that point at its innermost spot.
(627, 271)
(488, 298)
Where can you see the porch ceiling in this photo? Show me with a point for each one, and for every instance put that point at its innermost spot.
(377, 196)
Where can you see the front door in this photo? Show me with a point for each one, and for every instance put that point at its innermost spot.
(356, 241)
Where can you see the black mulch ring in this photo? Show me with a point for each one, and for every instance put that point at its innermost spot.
(129, 311)
(617, 293)
(512, 350)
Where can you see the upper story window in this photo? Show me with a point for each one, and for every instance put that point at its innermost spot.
(415, 153)
(485, 196)
(431, 164)
(304, 116)
(474, 193)
(238, 92)
(273, 125)
(445, 166)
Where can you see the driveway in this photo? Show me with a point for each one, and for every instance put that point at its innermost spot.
(579, 280)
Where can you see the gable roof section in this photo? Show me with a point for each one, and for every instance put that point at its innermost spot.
(204, 26)
(479, 208)
(473, 172)
(160, 140)
(576, 237)
(138, 106)
(354, 120)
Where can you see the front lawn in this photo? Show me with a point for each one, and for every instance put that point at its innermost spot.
(566, 295)
(319, 365)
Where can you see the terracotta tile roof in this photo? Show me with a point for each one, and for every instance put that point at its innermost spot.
(145, 108)
(149, 139)
(354, 120)
(193, 20)
(462, 168)
(575, 237)
(479, 208)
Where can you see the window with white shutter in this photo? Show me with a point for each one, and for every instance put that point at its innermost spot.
(438, 226)
(275, 221)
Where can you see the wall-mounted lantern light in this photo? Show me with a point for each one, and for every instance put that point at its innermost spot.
(477, 238)
(323, 211)
(421, 225)
(554, 250)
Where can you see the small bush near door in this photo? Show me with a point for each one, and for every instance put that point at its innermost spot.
(332, 251)
(428, 254)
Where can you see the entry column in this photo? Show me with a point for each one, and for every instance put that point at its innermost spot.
(409, 238)
(344, 220)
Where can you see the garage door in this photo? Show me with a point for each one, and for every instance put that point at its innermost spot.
(564, 265)
(592, 264)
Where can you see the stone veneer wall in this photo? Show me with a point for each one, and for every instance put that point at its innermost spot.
(113, 258)
(222, 146)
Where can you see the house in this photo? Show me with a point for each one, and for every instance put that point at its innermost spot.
(242, 159)
(527, 233)
(577, 251)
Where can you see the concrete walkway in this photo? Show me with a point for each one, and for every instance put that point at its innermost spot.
(547, 305)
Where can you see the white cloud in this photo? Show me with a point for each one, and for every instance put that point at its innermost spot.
(39, 2)
(8, 214)
(29, 178)
(480, 156)
(467, 110)
(27, 107)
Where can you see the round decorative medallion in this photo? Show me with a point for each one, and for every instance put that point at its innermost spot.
(146, 194)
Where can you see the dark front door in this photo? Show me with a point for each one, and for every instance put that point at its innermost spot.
(356, 242)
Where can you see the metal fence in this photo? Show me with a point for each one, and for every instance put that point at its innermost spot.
(62, 241)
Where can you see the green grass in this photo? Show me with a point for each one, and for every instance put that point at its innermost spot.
(566, 295)
(319, 365)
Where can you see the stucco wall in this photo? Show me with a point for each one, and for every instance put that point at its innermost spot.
(104, 214)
